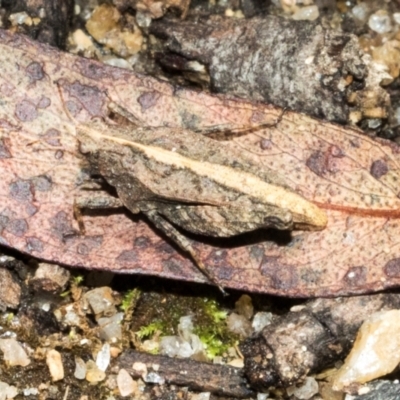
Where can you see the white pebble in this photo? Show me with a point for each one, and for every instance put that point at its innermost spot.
(304, 392)
(140, 367)
(309, 13)
(110, 327)
(126, 385)
(14, 354)
(396, 17)
(238, 324)
(80, 368)
(117, 62)
(101, 301)
(153, 377)
(261, 320)
(174, 346)
(177, 346)
(150, 346)
(360, 11)
(196, 344)
(30, 392)
(143, 19)
(185, 326)
(54, 362)
(169, 345)
(201, 396)
(7, 392)
(20, 18)
(380, 22)
(82, 40)
(237, 363)
(103, 357)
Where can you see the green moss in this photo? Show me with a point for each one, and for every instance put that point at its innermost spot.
(9, 318)
(212, 329)
(213, 310)
(149, 330)
(130, 299)
(78, 279)
(160, 314)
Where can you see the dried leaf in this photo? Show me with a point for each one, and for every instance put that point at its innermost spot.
(351, 176)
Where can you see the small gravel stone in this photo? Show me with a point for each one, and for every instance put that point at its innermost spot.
(81, 40)
(237, 362)
(261, 320)
(186, 344)
(309, 13)
(13, 352)
(20, 18)
(103, 20)
(101, 301)
(7, 392)
(68, 315)
(376, 350)
(304, 392)
(380, 22)
(115, 351)
(103, 357)
(54, 362)
(153, 377)
(201, 396)
(126, 385)
(185, 326)
(140, 368)
(104, 26)
(170, 345)
(10, 293)
(143, 19)
(30, 391)
(238, 324)
(93, 373)
(50, 278)
(110, 327)
(117, 62)
(80, 368)
(176, 346)
(360, 11)
(388, 54)
(396, 17)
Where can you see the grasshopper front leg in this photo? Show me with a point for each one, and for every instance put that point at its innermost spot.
(102, 201)
(169, 230)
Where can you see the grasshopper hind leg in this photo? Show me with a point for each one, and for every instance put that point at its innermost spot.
(169, 230)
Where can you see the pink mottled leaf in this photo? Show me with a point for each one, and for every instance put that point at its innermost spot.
(354, 178)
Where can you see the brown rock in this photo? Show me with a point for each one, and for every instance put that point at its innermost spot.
(10, 293)
(50, 278)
